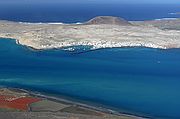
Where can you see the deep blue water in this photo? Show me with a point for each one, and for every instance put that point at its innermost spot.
(71, 13)
(140, 81)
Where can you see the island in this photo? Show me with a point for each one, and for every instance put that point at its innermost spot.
(99, 32)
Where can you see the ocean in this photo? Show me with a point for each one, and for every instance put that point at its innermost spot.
(73, 13)
(139, 81)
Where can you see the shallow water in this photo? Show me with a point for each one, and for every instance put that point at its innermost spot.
(140, 81)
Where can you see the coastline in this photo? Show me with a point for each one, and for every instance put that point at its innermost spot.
(162, 34)
(34, 40)
(47, 95)
(62, 100)
(70, 101)
(91, 49)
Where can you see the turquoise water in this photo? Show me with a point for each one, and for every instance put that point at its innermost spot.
(140, 81)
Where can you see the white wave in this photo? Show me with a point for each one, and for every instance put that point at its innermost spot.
(29, 23)
(174, 13)
(55, 23)
(40, 23)
(78, 23)
(166, 19)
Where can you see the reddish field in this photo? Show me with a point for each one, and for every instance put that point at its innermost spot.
(20, 103)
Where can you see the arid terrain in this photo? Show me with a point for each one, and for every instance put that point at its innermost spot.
(99, 32)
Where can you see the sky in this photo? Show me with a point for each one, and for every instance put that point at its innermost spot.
(95, 1)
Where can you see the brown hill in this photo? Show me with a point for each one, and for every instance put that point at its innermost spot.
(108, 20)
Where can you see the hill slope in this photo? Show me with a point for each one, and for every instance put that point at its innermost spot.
(108, 20)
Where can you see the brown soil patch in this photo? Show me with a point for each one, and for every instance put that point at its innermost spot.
(19, 103)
